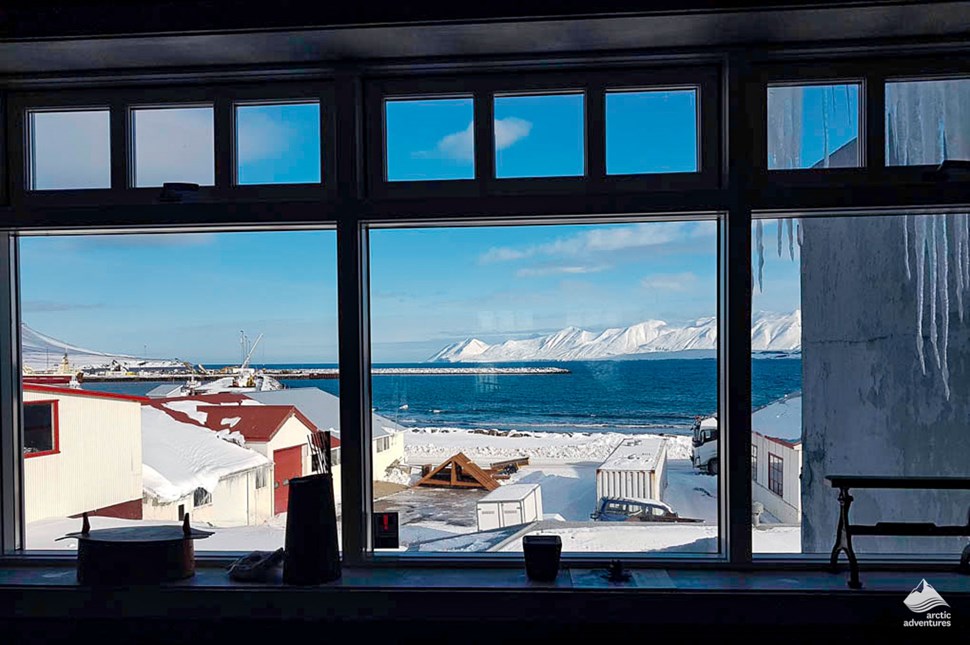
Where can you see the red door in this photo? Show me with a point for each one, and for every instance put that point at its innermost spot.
(288, 464)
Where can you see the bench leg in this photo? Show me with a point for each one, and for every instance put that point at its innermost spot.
(843, 541)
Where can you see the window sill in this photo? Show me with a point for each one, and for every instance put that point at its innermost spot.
(579, 595)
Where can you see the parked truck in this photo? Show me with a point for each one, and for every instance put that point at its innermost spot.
(704, 442)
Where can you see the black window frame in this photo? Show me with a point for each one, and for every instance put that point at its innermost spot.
(776, 474)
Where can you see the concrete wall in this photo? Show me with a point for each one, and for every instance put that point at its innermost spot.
(867, 407)
(99, 462)
(235, 502)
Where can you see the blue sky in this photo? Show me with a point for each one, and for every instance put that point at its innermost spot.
(189, 295)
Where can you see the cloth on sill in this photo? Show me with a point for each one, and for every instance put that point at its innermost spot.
(258, 566)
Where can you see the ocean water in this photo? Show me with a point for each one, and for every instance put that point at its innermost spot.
(596, 396)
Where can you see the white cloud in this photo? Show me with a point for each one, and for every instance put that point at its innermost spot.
(606, 239)
(529, 272)
(264, 137)
(669, 281)
(460, 146)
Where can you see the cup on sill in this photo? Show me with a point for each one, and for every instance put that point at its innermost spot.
(542, 554)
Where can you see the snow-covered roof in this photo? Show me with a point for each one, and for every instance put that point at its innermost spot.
(642, 453)
(710, 423)
(510, 493)
(322, 408)
(179, 457)
(781, 419)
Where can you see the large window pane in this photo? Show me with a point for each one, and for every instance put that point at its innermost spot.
(651, 132)
(429, 139)
(69, 150)
(173, 144)
(860, 368)
(143, 401)
(927, 122)
(528, 378)
(813, 126)
(278, 143)
(540, 136)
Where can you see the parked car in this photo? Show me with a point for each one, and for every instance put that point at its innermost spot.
(618, 509)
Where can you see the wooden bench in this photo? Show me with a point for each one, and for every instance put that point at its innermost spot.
(845, 530)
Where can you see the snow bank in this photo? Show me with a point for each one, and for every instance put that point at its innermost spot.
(179, 457)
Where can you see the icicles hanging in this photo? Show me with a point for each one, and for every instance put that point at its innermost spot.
(760, 244)
(909, 274)
(790, 222)
(932, 266)
(781, 231)
(956, 227)
(919, 234)
(943, 256)
(825, 126)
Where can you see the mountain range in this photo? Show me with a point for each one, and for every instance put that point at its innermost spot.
(769, 332)
(41, 353)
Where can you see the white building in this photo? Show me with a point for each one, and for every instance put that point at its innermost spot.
(82, 453)
(637, 468)
(190, 469)
(776, 458)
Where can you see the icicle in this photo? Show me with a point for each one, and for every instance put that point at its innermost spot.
(909, 274)
(780, 225)
(760, 242)
(790, 222)
(801, 235)
(933, 267)
(966, 250)
(956, 227)
(944, 261)
(919, 232)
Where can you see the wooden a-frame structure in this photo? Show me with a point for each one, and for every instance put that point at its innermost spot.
(459, 472)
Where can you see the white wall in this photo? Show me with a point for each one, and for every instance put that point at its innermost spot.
(395, 452)
(787, 509)
(235, 502)
(293, 433)
(99, 463)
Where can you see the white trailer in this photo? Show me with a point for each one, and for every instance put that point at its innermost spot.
(509, 505)
(636, 469)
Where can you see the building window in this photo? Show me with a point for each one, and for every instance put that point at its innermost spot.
(261, 477)
(173, 144)
(754, 463)
(652, 131)
(383, 443)
(69, 150)
(813, 126)
(540, 136)
(40, 428)
(429, 139)
(776, 474)
(278, 143)
(201, 497)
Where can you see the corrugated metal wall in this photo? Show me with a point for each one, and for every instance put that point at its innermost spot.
(99, 463)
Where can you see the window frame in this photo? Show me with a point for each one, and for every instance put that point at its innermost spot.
(736, 187)
(776, 474)
(55, 428)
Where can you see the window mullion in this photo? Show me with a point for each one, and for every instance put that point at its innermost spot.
(741, 131)
(11, 448)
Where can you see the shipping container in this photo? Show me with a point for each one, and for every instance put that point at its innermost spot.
(636, 469)
(510, 505)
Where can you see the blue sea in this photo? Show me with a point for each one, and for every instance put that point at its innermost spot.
(596, 396)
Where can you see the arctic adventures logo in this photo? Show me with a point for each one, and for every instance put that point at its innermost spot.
(923, 600)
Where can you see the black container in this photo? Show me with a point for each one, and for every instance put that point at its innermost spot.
(311, 556)
(542, 556)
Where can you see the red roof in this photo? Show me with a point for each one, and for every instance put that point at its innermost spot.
(257, 423)
(54, 389)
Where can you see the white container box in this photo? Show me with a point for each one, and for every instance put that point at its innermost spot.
(510, 505)
(636, 469)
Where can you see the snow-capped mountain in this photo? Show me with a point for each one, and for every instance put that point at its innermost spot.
(924, 598)
(43, 353)
(769, 332)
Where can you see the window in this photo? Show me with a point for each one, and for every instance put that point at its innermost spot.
(40, 428)
(173, 144)
(540, 136)
(754, 463)
(651, 131)
(201, 497)
(383, 443)
(926, 121)
(120, 329)
(429, 139)
(813, 126)
(278, 143)
(548, 358)
(69, 149)
(776, 475)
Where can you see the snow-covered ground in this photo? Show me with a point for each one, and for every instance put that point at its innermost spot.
(563, 464)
